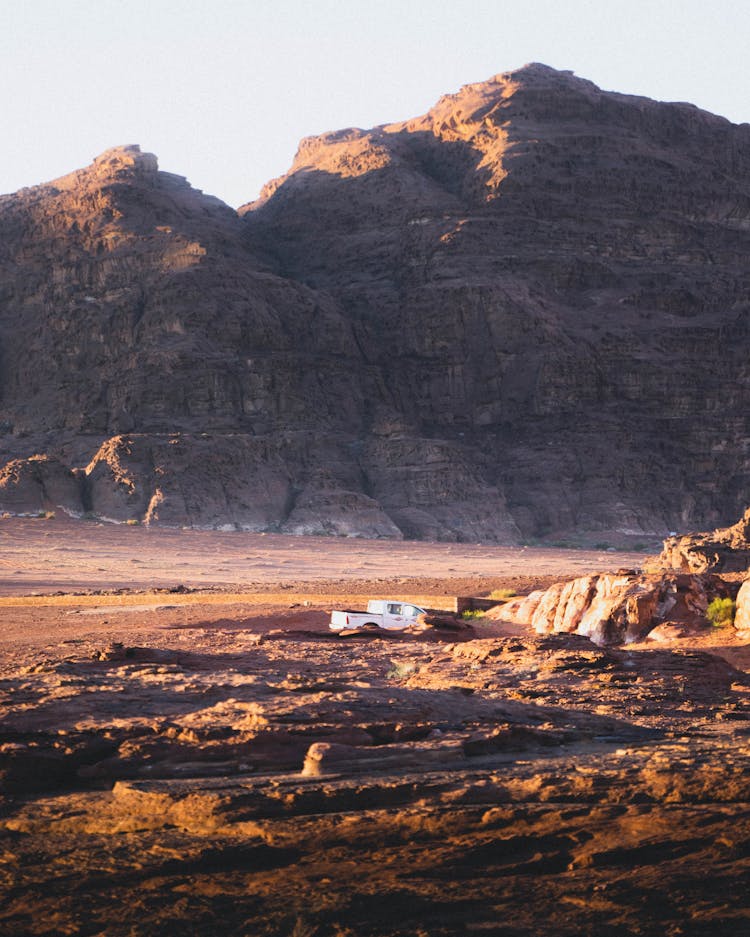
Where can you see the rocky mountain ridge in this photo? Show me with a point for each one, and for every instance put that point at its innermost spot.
(524, 314)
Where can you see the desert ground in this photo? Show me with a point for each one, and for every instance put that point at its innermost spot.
(185, 749)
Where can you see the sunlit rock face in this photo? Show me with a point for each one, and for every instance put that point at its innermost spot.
(522, 314)
(742, 616)
(556, 277)
(724, 550)
(620, 608)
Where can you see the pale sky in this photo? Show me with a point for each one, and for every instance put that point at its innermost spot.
(223, 90)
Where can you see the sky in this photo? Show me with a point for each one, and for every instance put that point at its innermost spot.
(222, 91)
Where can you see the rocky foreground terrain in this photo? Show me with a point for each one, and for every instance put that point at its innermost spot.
(196, 762)
(521, 315)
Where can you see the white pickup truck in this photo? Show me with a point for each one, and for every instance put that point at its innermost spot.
(388, 614)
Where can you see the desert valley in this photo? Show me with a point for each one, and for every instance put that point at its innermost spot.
(491, 362)
(179, 755)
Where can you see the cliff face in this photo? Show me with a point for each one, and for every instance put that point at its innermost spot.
(129, 301)
(525, 313)
(166, 375)
(555, 275)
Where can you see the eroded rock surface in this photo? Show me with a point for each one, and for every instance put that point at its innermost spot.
(611, 608)
(522, 314)
(277, 785)
(147, 347)
(724, 550)
(31, 486)
(528, 265)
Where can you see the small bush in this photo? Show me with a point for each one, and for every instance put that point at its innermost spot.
(132, 522)
(47, 515)
(502, 594)
(472, 613)
(400, 670)
(720, 612)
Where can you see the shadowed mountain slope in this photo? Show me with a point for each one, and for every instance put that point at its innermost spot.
(557, 275)
(522, 314)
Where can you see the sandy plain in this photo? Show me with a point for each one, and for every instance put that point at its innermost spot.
(184, 749)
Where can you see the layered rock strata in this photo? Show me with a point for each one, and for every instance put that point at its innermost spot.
(553, 274)
(523, 314)
(153, 369)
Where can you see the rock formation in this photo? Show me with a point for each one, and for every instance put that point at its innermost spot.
(549, 273)
(742, 616)
(724, 550)
(520, 315)
(618, 608)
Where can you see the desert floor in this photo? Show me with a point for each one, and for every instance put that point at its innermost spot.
(185, 749)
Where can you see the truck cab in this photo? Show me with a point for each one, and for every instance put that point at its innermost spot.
(388, 614)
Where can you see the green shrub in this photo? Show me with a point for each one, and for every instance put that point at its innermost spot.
(132, 522)
(720, 612)
(502, 594)
(472, 613)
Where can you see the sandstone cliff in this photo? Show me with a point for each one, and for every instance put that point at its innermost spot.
(145, 346)
(523, 314)
(555, 275)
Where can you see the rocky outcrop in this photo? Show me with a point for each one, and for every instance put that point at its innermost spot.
(38, 484)
(520, 315)
(724, 550)
(617, 608)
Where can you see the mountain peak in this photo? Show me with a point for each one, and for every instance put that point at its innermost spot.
(128, 157)
(503, 318)
(125, 162)
(539, 68)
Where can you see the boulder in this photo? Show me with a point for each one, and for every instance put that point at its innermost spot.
(611, 608)
(331, 758)
(520, 609)
(726, 550)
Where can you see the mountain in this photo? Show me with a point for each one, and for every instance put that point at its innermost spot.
(524, 314)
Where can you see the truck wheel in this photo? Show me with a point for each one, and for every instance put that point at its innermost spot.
(370, 626)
